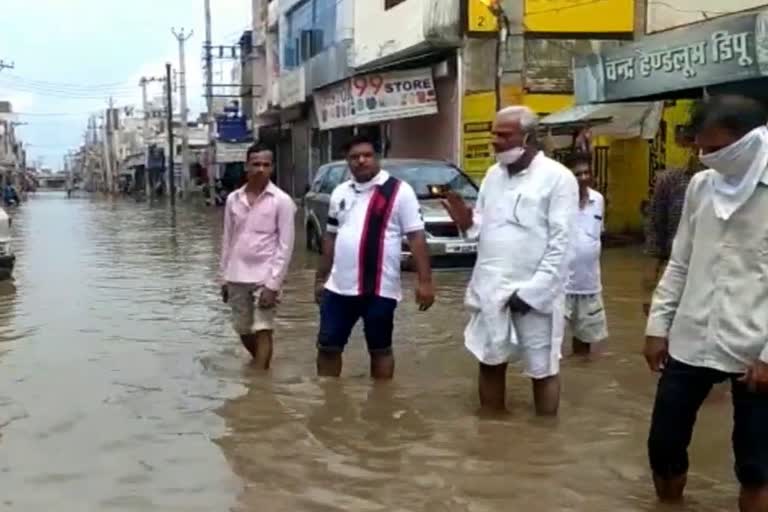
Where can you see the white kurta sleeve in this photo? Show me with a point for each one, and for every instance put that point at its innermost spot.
(548, 280)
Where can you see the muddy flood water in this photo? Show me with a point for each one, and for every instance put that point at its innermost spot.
(122, 388)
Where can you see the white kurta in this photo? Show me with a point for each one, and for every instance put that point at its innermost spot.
(522, 223)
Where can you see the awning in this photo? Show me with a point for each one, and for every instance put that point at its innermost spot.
(620, 120)
(723, 50)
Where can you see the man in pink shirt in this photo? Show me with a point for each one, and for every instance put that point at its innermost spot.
(255, 253)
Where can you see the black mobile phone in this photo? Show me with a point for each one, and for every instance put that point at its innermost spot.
(439, 190)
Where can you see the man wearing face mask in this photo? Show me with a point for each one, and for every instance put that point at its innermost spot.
(522, 220)
(708, 320)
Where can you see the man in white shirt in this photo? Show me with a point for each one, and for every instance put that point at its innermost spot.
(584, 307)
(359, 272)
(708, 321)
(522, 220)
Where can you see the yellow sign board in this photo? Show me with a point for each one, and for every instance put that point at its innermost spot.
(480, 19)
(580, 16)
(477, 121)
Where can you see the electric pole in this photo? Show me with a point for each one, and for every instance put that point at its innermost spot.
(212, 166)
(185, 171)
(146, 131)
(108, 146)
(169, 110)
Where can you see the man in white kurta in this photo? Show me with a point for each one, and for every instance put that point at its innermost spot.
(522, 221)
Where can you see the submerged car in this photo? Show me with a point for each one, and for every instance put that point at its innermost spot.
(425, 177)
(7, 258)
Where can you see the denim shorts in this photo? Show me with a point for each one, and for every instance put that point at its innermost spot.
(340, 313)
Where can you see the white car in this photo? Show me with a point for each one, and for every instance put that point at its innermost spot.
(7, 258)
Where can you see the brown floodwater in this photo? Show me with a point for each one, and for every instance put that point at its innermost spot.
(122, 388)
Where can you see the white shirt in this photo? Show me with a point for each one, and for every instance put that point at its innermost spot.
(584, 266)
(523, 223)
(347, 216)
(711, 302)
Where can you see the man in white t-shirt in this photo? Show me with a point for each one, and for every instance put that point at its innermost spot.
(359, 272)
(584, 307)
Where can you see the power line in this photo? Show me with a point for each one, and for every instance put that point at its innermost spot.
(65, 85)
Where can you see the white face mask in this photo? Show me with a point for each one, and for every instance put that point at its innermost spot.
(511, 156)
(733, 161)
(738, 169)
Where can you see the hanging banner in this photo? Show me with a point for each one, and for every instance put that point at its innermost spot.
(376, 97)
(723, 50)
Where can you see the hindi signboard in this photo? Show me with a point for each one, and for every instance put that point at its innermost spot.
(724, 50)
(376, 97)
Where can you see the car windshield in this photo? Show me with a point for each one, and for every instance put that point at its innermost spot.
(421, 175)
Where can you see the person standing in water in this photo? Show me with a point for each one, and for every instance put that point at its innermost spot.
(359, 272)
(523, 222)
(256, 250)
(707, 322)
(584, 307)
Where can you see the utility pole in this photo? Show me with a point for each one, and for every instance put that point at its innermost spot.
(108, 147)
(169, 111)
(146, 130)
(185, 172)
(212, 166)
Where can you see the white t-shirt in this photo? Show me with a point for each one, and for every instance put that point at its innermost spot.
(584, 266)
(358, 244)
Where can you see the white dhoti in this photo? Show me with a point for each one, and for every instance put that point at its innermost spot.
(495, 336)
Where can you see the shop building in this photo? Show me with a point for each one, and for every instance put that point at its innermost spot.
(676, 66)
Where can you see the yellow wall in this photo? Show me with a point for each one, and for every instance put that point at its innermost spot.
(627, 185)
(629, 169)
(544, 104)
(574, 16)
(676, 114)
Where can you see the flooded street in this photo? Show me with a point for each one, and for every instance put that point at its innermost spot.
(123, 388)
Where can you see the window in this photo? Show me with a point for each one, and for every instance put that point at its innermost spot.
(388, 4)
(310, 29)
(318, 183)
(333, 178)
(421, 175)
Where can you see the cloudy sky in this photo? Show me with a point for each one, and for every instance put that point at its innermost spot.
(71, 55)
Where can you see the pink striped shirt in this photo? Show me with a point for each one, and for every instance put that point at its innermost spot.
(258, 239)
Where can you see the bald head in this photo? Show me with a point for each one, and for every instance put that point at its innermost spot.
(515, 127)
(519, 114)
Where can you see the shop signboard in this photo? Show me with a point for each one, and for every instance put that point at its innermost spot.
(480, 19)
(227, 153)
(376, 97)
(477, 121)
(724, 50)
(293, 90)
(579, 16)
